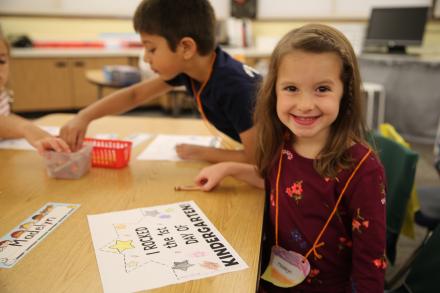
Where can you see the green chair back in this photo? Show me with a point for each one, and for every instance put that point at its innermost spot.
(400, 168)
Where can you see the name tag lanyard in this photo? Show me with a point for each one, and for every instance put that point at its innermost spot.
(226, 141)
(288, 268)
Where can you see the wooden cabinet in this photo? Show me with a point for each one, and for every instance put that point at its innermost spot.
(44, 84)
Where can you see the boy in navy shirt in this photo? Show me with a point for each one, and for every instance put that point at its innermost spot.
(179, 41)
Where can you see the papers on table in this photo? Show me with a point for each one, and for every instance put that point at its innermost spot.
(152, 247)
(22, 144)
(137, 138)
(106, 136)
(162, 148)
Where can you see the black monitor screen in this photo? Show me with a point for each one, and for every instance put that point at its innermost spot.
(397, 26)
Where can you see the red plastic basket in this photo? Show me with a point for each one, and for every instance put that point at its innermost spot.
(109, 153)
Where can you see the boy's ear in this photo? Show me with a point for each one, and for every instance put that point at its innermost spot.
(188, 47)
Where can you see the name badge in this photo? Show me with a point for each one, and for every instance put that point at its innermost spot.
(286, 268)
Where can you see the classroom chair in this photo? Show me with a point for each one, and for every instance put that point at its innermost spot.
(424, 273)
(428, 216)
(400, 168)
(413, 206)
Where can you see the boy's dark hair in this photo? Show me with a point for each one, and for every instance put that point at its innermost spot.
(176, 19)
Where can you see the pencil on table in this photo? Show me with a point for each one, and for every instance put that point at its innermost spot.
(186, 188)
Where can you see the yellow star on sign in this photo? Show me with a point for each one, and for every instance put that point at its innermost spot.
(122, 245)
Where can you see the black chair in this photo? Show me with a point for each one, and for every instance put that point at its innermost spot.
(424, 272)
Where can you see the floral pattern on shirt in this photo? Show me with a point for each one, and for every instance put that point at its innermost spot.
(297, 237)
(380, 263)
(288, 154)
(344, 244)
(295, 191)
(312, 278)
(383, 193)
(359, 224)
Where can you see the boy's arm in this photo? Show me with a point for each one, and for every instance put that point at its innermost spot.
(13, 126)
(211, 176)
(119, 102)
(216, 155)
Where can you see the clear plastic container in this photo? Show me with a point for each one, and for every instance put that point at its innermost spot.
(68, 165)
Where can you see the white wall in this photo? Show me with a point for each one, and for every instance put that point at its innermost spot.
(117, 8)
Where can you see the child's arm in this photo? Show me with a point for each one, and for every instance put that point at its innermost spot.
(216, 155)
(211, 176)
(13, 126)
(367, 209)
(119, 102)
(4, 104)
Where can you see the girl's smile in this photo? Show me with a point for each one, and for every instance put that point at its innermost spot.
(309, 91)
(305, 120)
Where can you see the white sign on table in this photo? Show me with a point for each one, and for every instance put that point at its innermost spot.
(153, 247)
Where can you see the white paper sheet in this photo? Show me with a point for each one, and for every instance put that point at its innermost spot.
(22, 144)
(137, 138)
(106, 136)
(162, 148)
(153, 247)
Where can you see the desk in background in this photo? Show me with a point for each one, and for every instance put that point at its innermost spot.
(375, 104)
(174, 101)
(65, 261)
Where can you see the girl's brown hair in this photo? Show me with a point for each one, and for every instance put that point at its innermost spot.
(349, 125)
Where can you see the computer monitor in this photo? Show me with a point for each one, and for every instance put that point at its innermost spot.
(396, 27)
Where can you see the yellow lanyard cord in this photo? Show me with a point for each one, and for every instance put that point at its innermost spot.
(277, 186)
(214, 131)
(202, 87)
(316, 244)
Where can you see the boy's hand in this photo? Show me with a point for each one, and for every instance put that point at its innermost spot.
(189, 151)
(211, 176)
(51, 143)
(73, 132)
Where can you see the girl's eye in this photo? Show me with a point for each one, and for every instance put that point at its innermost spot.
(151, 51)
(323, 89)
(3, 61)
(291, 88)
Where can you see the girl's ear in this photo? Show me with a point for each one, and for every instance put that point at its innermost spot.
(188, 47)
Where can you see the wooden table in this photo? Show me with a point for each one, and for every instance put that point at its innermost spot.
(96, 77)
(65, 261)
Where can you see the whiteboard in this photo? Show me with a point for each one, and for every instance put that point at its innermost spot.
(362, 8)
(303, 9)
(266, 9)
(111, 8)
